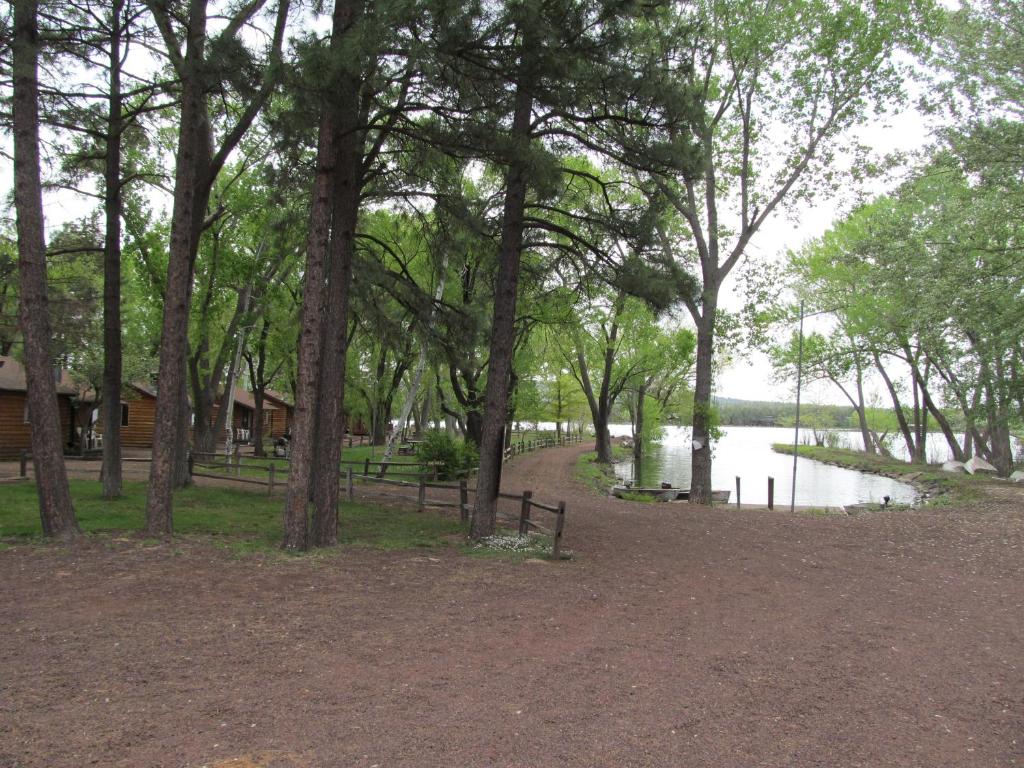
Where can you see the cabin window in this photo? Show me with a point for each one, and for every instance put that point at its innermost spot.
(25, 414)
(124, 414)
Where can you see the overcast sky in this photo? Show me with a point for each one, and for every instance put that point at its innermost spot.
(751, 378)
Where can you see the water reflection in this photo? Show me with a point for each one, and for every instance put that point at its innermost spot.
(746, 452)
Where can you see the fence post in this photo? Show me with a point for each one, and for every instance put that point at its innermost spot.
(771, 493)
(191, 465)
(238, 460)
(23, 469)
(463, 501)
(270, 484)
(366, 466)
(421, 497)
(524, 513)
(737, 491)
(348, 482)
(556, 544)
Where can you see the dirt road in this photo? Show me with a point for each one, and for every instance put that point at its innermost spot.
(678, 636)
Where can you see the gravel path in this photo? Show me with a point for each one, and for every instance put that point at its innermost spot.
(678, 636)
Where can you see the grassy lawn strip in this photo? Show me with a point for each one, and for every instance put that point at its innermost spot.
(599, 477)
(941, 487)
(246, 520)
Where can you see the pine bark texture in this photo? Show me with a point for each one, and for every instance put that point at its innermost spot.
(187, 212)
(55, 508)
(700, 462)
(112, 348)
(502, 329)
(331, 391)
(303, 443)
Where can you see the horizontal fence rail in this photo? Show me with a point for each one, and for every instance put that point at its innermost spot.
(520, 447)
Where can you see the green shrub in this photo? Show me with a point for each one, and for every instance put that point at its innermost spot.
(455, 456)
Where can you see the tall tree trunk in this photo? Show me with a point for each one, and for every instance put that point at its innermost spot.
(331, 395)
(421, 364)
(110, 473)
(700, 454)
(861, 408)
(922, 443)
(502, 327)
(998, 420)
(638, 430)
(920, 419)
(203, 400)
(901, 417)
(601, 402)
(195, 172)
(55, 508)
(190, 197)
(598, 412)
(469, 400)
(558, 408)
(473, 428)
(180, 476)
(209, 429)
(257, 373)
(296, 519)
(940, 417)
(510, 414)
(425, 413)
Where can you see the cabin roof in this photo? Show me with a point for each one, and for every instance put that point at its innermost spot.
(278, 397)
(244, 398)
(143, 387)
(13, 378)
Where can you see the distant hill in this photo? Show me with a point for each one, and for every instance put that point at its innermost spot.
(762, 413)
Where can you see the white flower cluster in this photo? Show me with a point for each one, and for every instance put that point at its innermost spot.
(509, 543)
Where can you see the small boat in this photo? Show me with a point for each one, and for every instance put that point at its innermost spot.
(663, 494)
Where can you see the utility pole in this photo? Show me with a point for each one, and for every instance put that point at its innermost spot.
(796, 431)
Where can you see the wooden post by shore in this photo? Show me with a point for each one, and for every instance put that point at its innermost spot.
(556, 544)
(524, 513)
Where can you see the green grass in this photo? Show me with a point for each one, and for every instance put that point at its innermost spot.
(642, 497)
(240, 519)
(600, 477)
(596, 476)
(943, 487)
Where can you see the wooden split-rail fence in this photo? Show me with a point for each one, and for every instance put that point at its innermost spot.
(278, 475)
(424, 479)
(519, 447)
(527, 504)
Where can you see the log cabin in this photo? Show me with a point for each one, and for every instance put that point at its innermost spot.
(280, 418)
(242, 414)
(138, 417)
(15, 427)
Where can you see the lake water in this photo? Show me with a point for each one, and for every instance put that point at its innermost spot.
(747, 452)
